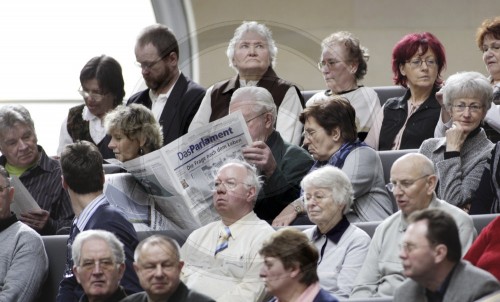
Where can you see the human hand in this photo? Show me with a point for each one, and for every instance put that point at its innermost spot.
(261, 156)
(455, 137)
(287, 215)
(36, 219)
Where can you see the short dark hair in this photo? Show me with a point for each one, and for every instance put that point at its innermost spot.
(81, 165)
(335, 111)
(409, 46)
(441, 229)
(161, 37)
(108, 73)
(292, 247)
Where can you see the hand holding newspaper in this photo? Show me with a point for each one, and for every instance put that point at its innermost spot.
(174, 185)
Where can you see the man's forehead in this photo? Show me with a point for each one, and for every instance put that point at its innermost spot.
(94, 245)
(232, 171)
(404, 169)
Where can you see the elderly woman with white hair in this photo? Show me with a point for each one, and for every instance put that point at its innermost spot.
(252, 54)
(328, 196)
(460, 157)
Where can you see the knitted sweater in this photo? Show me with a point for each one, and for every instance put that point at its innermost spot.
(23, 261)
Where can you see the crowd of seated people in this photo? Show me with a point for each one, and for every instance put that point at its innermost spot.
(241, 257)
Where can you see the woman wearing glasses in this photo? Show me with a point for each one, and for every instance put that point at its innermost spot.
(343, 64)
(102, 90)
(460, 157)
(330, 137)
(417, 62)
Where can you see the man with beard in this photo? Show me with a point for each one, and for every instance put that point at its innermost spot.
(173, 98)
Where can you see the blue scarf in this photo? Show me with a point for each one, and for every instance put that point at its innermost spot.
(338, 158)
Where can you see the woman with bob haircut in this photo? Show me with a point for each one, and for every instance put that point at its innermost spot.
(134, 131)
(330, 136)
(328, 197)
(460, 157)
(289, 269)
(417, 62)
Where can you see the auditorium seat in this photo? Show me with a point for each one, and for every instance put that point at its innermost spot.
(384, 93)
(55, 246)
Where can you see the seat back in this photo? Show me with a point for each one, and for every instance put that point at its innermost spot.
(480, 221)
(387, 92)
(388, 158)
(55, 247)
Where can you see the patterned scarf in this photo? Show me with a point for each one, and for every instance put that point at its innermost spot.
(338, 158)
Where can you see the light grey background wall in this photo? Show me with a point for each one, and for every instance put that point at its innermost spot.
(299, 26)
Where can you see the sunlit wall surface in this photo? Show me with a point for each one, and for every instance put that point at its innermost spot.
(44, 45)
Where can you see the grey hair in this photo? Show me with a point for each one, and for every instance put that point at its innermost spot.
(330, 177)
(11, 114)
(108, 237)
(468, 84)
(253, 179)
(261, 97)
(355, 51)
(261, 30)
(156, 240)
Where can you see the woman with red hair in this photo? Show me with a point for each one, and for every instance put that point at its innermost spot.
(417, 62)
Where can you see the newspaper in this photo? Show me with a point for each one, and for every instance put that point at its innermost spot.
(23, 201)
(172, 188)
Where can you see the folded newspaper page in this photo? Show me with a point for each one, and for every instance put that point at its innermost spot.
(172, 188)
(23, 201)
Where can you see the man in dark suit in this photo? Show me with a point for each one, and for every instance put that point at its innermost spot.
(83, 178)
(173, 98)
(431, 254)
(162, 284)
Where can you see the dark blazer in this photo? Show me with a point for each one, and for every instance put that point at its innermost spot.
(181, 294)
(468, 283)
(106, 217)
(181, 106)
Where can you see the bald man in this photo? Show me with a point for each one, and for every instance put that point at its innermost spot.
(413, 182)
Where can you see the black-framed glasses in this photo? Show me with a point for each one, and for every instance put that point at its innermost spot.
(92, 94)
(462, 107)
(416, 63)
(403, 184)
(249, 120)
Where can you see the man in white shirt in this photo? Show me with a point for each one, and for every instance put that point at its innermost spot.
(222, 258)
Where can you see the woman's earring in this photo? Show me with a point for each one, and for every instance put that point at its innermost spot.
(141, 151)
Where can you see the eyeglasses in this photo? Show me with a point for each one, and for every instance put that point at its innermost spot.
(410, 247)
(403, 184)
(104, 264)
(96, 95)
(316, 197)
(472, 108)
(416, 63)
(149, 65)
(249, 120)
(329, 63)
(308, 134)
(230, 184)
